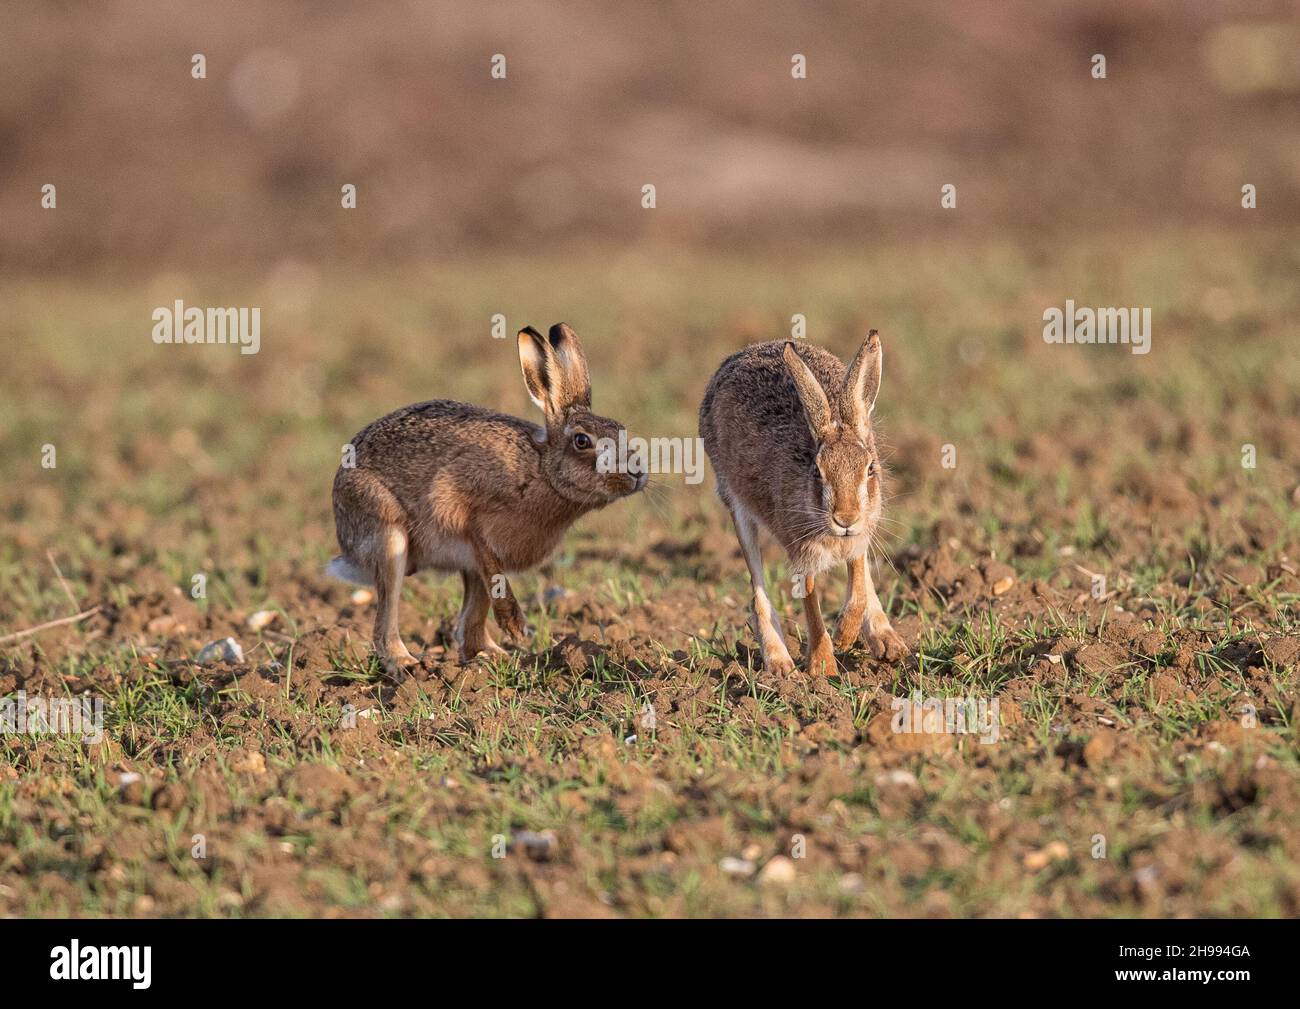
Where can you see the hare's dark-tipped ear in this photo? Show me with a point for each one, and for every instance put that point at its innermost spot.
(811, 394)
(535, 360)
(861, 384)
(572, 384)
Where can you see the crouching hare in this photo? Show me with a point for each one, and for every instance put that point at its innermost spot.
(789, 433)
(455, 487)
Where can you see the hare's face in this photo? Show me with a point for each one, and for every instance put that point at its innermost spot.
(586, 458)
(589, 461)
(848, 483)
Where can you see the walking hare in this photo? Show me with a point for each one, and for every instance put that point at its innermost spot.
(789, 433)
(456, 487)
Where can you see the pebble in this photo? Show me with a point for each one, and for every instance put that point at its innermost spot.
(779, 869)
(1147, 876)
(225, 650)
(852, 882)
(261, 619)
(362, 596)
(1057, 851)
(733, 866)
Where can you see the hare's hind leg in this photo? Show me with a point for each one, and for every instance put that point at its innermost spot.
(767, 625)
(388, 590)
(373, 538)
(471, 626)
(820, 656)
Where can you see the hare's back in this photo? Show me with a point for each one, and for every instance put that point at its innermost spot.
(751, 406)
(482, 453)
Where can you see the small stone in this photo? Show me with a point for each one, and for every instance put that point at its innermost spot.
(261, 619)
(251, 762)
(898, 778)
(1099, 749)
(1056, 851)
(164, 625)
(1003, 585)
(225, 650)
(361, 597)
(733, 866)
(779, 870)
(852, 882)
(752, 852)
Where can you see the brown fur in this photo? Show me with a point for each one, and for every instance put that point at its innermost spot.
(455, 487)
(788, 430)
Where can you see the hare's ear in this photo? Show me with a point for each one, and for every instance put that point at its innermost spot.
(811, 394)
(538, 367)
(861, 385)
(571, 385)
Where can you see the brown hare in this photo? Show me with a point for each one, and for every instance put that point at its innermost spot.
(455, 487)
(790, 436)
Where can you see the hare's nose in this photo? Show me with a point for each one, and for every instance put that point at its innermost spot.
(844, 526)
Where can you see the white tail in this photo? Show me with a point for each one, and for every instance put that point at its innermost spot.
(346, 571)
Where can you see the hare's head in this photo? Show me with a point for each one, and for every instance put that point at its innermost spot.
(575, 442)
(846, 480)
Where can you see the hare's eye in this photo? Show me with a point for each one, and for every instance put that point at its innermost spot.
(581, 442)
(871, 469)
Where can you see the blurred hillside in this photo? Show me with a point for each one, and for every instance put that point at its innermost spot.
(155, 169)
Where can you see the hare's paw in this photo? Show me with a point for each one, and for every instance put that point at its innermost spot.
(511, 621)
(395, 657)
(886, 645)
(776, 659)
(484, 649)
(821, 659)
(848, 632)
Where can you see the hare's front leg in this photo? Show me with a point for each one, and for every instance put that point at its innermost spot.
(767, 625)
(820, 653)
(389, 573)
(855, 606)
(471, 626)
(504, 605)
(882, 639)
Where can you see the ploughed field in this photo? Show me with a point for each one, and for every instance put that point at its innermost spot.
(1096, 552)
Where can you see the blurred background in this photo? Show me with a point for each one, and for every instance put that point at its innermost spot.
(242, 169)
